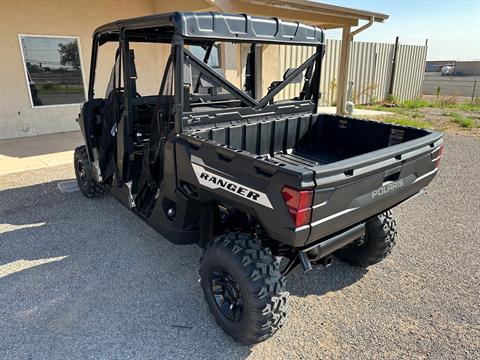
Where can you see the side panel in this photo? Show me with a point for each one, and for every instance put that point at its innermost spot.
(184, 226)
(243, 182)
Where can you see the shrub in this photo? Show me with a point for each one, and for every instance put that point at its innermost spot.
(392, 99)
(48, 86)
(461, 120)
(437, 92)
(450, 101)
(414, 104)
(332, 89)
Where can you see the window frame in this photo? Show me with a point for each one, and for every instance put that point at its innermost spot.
(24, 65)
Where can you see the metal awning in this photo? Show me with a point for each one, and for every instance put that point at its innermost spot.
(325, 15)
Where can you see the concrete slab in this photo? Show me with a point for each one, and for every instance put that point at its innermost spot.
(37, 152)
(68, 186)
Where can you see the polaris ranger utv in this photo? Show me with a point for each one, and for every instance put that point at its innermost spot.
(262, 184)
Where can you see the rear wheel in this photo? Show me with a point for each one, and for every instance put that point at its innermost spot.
(375, 245)
(83, 172)
(243, 287)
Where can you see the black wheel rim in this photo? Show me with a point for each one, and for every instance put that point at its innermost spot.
(81, 172)
(227, 294)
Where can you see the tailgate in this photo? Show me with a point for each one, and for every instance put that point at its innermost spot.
(352, 190)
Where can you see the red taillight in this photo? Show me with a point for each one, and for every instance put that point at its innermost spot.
(439, 156)
(299, 204)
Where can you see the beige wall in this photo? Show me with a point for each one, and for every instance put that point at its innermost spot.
(79, 18)
(43, 17)
(62, 18)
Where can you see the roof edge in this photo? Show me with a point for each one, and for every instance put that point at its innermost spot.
(322, 7)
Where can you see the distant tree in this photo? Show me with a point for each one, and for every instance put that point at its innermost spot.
(33, 68)
(69, 54)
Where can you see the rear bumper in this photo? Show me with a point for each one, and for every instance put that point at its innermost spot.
(346, 204)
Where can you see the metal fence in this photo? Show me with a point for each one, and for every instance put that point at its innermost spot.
(370, 70)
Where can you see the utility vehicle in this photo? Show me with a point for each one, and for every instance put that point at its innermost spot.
(261, 183)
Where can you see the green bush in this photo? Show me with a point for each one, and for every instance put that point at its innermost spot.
(415, 104)
(48, 86)
(392, 99)
(461, 120)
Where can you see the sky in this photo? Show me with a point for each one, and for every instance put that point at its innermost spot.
(452, 27)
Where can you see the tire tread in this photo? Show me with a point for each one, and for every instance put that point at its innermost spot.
(93, 189)
(269, 297)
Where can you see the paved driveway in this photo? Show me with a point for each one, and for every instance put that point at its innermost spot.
(87, 279)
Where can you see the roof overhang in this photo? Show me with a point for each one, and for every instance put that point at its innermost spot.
(324, 15)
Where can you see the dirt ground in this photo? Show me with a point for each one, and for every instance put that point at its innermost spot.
(442, 114)
(440, 121)
(87, 279)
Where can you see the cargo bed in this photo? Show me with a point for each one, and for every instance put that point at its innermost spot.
(310, 140)
(344, 159)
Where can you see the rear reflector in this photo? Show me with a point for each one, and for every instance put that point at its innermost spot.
(439, 156)
(299, 204)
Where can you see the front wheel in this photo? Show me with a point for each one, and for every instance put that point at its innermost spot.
(243, 287)
(375, 245)
(83, 172)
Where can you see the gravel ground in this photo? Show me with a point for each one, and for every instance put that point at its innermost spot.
(87, 279)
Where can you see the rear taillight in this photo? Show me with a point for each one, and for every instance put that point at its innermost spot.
(439, 156)
(299, 203)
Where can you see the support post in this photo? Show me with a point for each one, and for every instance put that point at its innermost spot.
(394, 68)
(343, 70)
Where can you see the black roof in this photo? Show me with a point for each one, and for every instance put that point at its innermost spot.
(211, 25)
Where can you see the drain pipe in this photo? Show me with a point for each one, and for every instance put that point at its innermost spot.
(363, 27)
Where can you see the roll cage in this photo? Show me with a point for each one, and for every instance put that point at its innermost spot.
(204, 29)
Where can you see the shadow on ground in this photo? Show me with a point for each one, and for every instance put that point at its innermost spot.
(116, 287)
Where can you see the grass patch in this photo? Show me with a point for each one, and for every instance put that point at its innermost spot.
(417, 115)
(415, 104)
(468, 107)
(53, 89)
(408, 122)
(461, 120)
(407, 105)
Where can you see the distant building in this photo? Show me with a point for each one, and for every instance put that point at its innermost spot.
(461, 67)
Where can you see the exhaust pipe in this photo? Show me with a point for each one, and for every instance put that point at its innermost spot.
(329, 246)
(321, 252)
(307, 266)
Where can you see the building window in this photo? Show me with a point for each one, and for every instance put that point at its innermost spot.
(53, 69)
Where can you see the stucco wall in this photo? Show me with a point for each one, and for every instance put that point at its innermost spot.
(43, 17)
(79, 18)
(61, 18)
